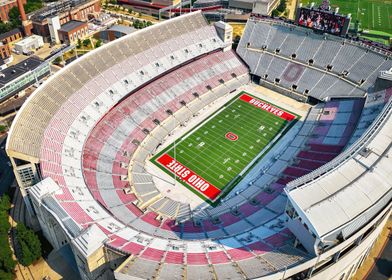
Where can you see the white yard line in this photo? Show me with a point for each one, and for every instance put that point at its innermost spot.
(177, 191)
(218, 156)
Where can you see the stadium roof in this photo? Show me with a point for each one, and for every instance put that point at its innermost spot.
(90, 240)
(357, 186)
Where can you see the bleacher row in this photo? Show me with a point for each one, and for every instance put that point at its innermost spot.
(104, 148)
(296, 56)
(373, 106)
(104, 163)
(61, 156)
(255, 260)
(137, 59)
(254, 212)
(91, 126)
(323, 135)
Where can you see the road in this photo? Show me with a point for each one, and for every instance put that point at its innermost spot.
(6, 173)
(383, 267)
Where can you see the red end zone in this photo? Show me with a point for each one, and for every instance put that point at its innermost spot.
(267, 107)
(189, 177)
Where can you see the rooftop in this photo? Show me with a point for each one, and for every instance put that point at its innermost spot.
(5, 2)
(55, 8)
(29, 39)
(9, 33)
(72, 25)
(344, 192)
(14, 71)
(123, 29)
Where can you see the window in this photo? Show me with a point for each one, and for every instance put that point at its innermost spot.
(26, 175)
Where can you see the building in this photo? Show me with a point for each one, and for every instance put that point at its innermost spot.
(72, 31)
(22, 75)
(313, 208)
(5, 51)
(6, 6)
(151, 7)
(54, 26)
(30, 43)
(66, 11)
(3, 65)
(114, 32)
(11, 36)
(263, 7)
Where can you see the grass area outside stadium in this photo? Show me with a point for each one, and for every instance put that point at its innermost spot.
(221, 149)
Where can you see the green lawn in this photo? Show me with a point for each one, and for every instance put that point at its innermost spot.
(211, 155)
(372, 14)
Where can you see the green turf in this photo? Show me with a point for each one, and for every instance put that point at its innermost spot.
(206, 151)
(372, 14)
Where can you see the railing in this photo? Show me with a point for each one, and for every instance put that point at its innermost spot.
(368, 44)
(361, 143)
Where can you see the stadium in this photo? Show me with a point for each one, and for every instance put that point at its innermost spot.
(167, 155)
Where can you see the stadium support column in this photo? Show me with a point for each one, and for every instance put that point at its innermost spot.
(225, 33)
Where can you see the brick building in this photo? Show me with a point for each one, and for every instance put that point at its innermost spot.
(11, 36)
(66, 11)
(114, 32)
(70, 32)
(6, 6)
(5, 51)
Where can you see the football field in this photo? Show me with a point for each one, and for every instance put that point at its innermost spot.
(372, 14)
(209, 158)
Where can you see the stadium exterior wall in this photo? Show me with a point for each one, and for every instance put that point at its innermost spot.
(340, 261)
(95, 266)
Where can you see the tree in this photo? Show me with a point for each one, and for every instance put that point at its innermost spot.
(98, 43)
(282, 6)
(57, 60)
(6, 261)
(33, 5)
(4, 222)
(5, 203)
(136, 24)
(79, 44)
(5, 27)
(6, 275)
(29, 245)
(86, 42)
(275, 13)
(14, 17)
(149, 23)
(7, 264)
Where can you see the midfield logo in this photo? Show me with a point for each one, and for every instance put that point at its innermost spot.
(231, 136)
